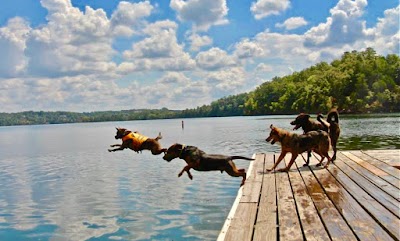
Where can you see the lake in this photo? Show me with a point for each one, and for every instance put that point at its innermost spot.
(59, 182)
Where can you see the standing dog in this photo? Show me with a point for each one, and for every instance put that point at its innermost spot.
(317, 141)
(200, 161)
(331, 126)
(137, 142)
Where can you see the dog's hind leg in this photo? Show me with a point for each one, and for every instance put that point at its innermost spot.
(158, 137)
(234, 172)
(329, 159)
(308, 159)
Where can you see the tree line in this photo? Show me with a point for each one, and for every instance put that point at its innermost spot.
(358, 82)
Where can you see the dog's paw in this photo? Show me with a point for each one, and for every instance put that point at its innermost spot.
(326, 166)
(109, 150)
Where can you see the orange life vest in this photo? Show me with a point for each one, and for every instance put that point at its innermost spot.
(137, 140)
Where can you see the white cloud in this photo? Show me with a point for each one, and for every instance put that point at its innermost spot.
(213, 59)
(202, 13)
(387, 33)
(198, 41)
(174, 78)
(129, 13)
(12, 46)
(226, 81)
(248, 49)
(292, 23)
(158, 51)
(344, 26)
(75, 42)
(264, 8)
(262, 67)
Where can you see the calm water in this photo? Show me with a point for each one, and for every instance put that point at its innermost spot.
(58, 182)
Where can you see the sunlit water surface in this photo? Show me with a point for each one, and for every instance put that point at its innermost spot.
(59, 182)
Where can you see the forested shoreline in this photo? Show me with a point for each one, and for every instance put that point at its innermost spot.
(358, 82)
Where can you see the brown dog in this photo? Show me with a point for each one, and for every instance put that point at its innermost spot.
(137, 142)
(200, 161)
(331, 126)
(317, 141)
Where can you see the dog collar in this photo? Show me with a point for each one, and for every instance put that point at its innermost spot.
(180, 153)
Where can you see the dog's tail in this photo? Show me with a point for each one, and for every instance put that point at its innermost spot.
(325, 123)
(158, 137)
(333, 116)
(242, 157)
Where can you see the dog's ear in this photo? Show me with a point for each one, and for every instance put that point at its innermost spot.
(126, 132)
(271, 126)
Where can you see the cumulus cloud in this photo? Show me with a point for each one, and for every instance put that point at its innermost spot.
(248, 49)
(387, 33)
(264, 8)
(226, 81)
(174, 78)
(65, 93)
(198, 41)
(159, 50)
(202, 13)
(213, 59)
(12, 46)
(262, 67)
(292, 23)
(344, 26)
(75, 42)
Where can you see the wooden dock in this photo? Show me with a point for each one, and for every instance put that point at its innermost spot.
(356, 198)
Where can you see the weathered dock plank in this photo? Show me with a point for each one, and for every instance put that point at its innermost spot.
(355, 198)
(387, 201)
(378, 172)
(289, 224)
(391, 157)
(384, 166)
(241, 225)
(313, 228)
(266, 224)
(333, 220)
(340, 190)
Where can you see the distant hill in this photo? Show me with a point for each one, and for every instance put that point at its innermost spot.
(358, 82)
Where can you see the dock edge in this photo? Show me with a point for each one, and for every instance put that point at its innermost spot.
(225, 227)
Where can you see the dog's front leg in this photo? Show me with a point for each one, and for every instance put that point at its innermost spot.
(287, 168)
(115, 145)
(281, 156)
(120, 148)
(186, 169)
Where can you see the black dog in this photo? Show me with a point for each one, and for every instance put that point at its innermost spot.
(200, 161)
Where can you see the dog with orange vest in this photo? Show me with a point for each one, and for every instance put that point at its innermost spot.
(137, 142)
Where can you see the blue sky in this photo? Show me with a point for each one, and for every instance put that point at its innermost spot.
(90, 55)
